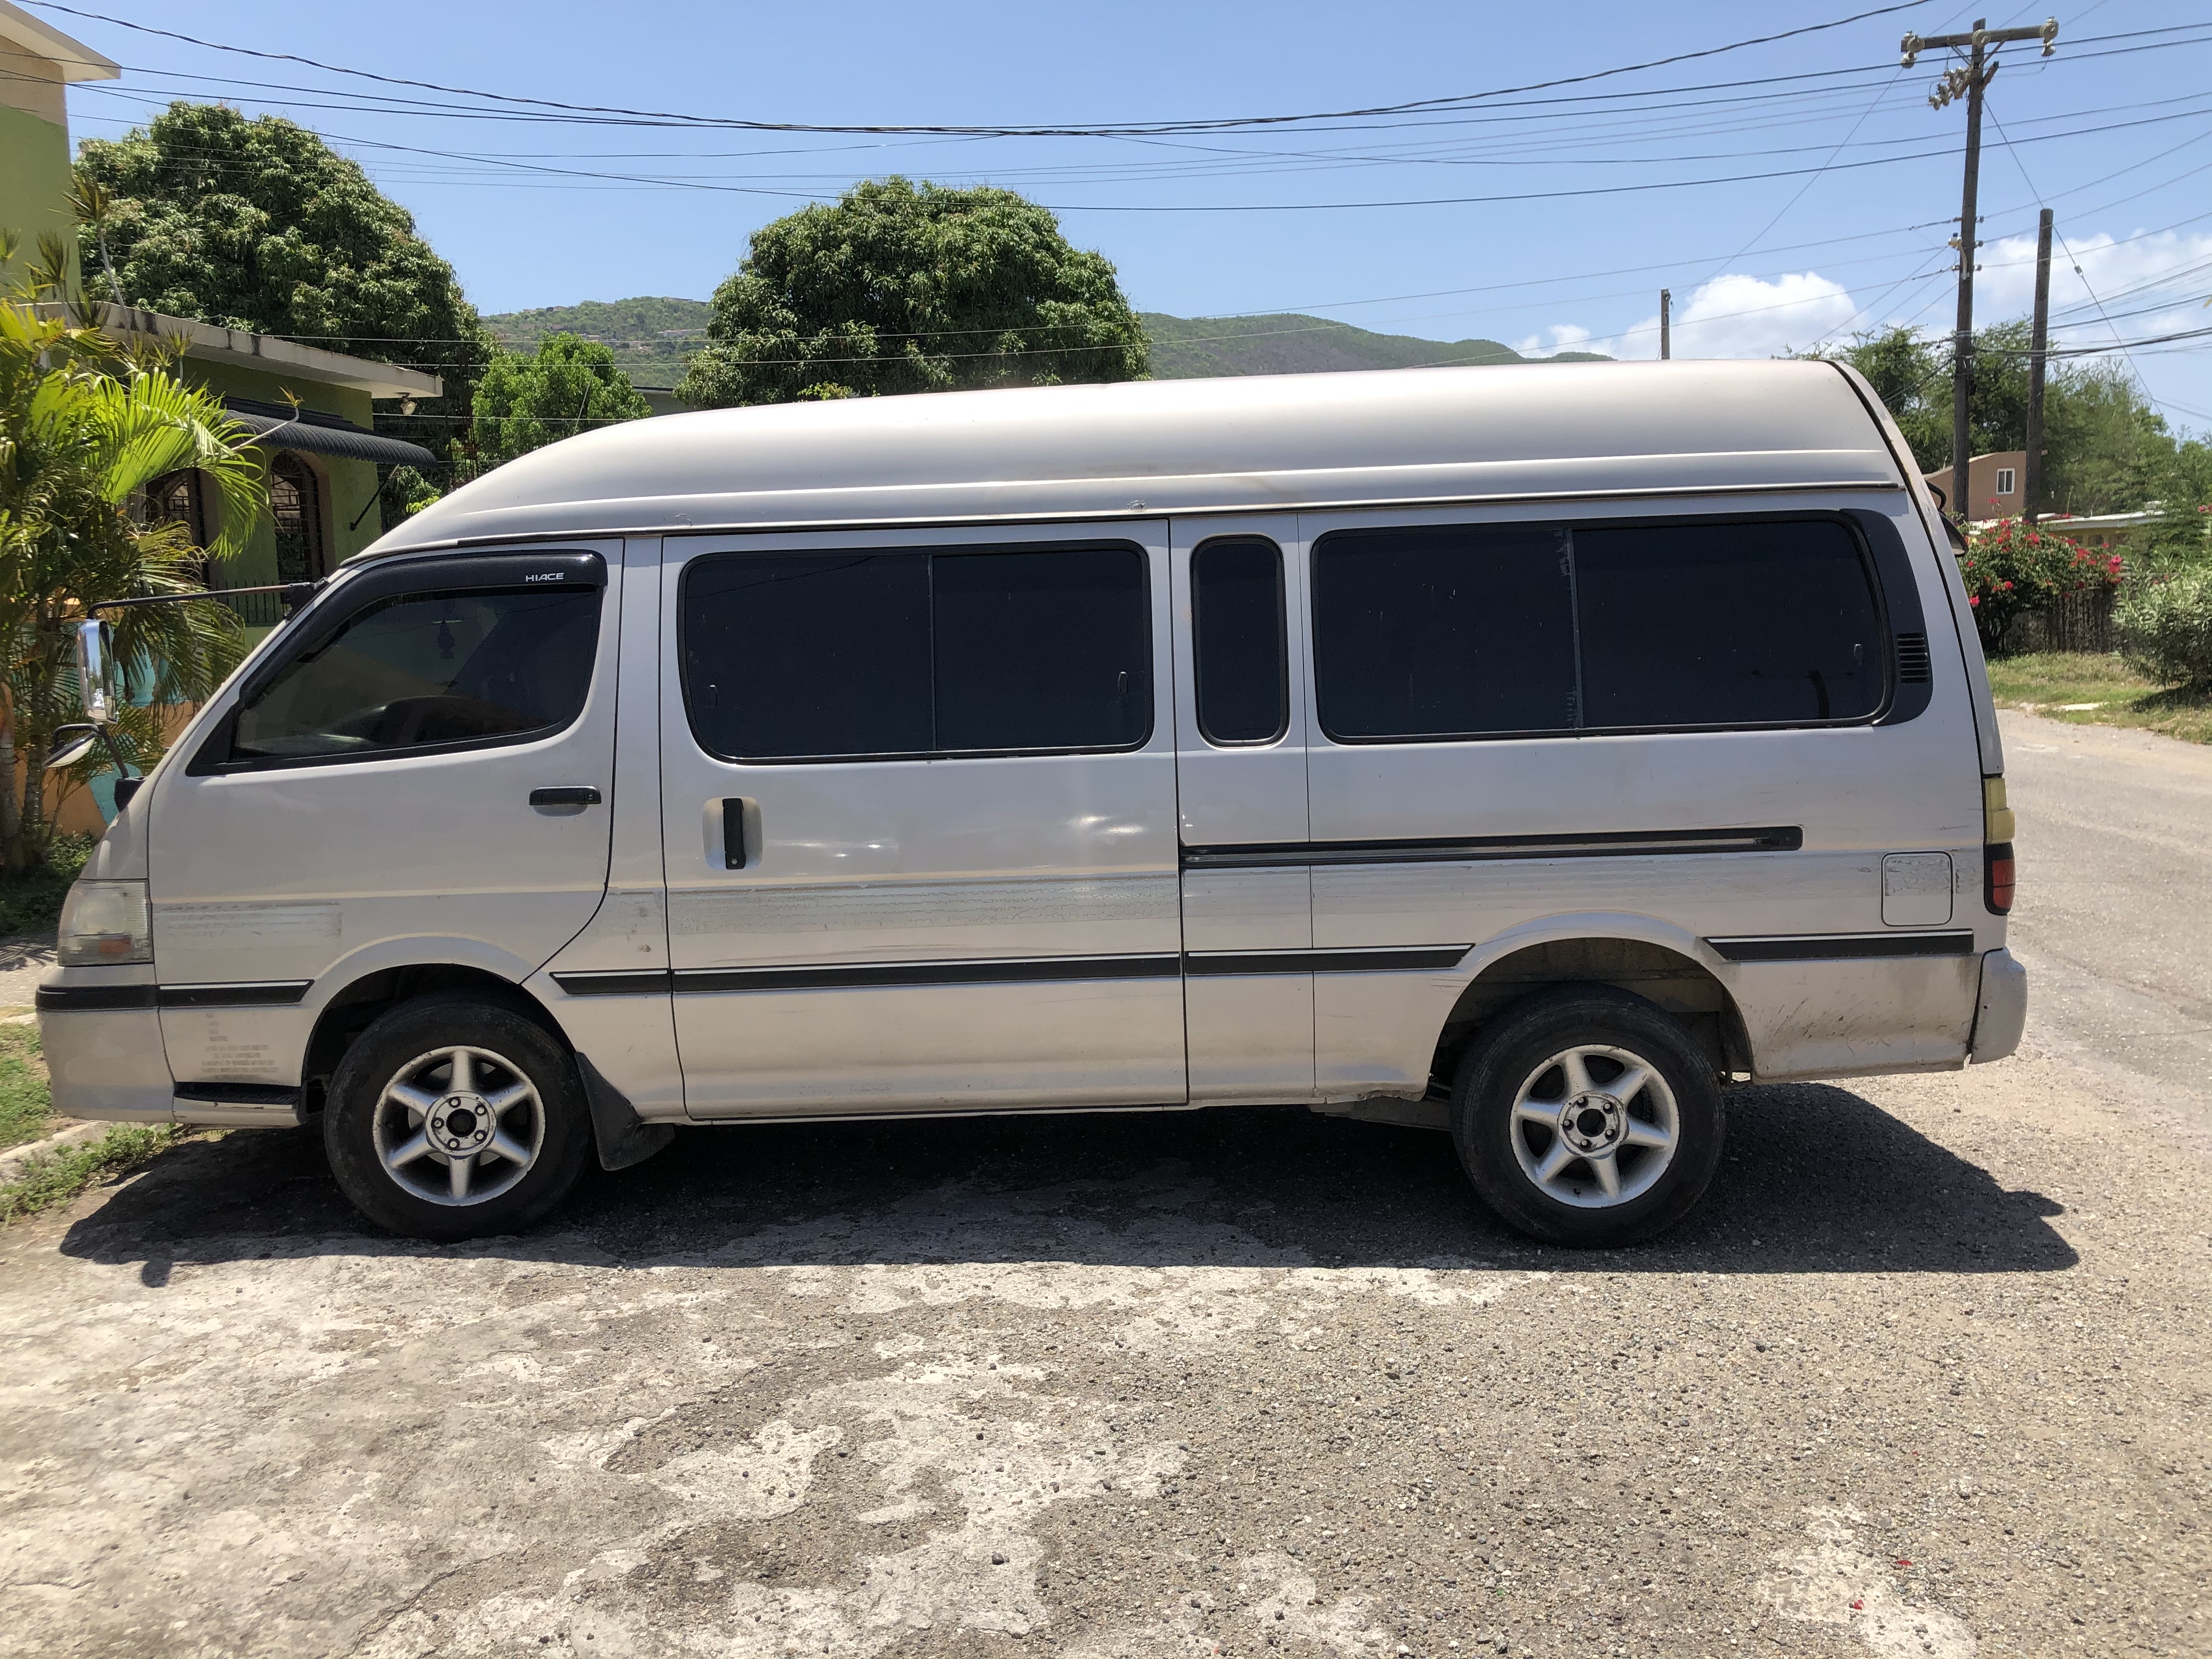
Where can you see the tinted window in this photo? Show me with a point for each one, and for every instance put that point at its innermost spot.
(429, 668)
(813, 655)
(1726, 624)
(804, 654)
(1236, 626)
(1453, 631)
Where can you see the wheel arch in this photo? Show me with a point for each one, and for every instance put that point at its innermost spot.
(374, 991)
(1664, 964)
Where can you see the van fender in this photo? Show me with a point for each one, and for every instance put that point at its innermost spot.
(1410, 1037)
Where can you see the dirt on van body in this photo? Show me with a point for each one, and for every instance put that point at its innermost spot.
(1927, 1375)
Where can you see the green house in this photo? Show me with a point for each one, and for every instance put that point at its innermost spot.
(313, 408)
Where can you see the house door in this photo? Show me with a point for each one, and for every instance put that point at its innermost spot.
(920, 793)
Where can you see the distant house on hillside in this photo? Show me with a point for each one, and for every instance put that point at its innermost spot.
(1996, 487)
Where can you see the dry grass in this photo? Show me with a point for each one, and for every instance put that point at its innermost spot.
(2092, 690)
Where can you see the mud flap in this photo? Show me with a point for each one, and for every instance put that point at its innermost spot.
(623, 1138)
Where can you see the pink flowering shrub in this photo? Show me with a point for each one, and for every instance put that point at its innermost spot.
(2011, 568)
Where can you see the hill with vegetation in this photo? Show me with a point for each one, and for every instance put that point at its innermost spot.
(650, 338)
(1191, 347)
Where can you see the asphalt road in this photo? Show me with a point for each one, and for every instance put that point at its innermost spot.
(2115, 915)
(1927, 1375)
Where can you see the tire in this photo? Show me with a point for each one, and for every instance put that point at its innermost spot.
(396, 1161)
(1525, 1153)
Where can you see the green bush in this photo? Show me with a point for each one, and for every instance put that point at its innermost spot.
(32, 903)
(2010, 568)
(2166, 626)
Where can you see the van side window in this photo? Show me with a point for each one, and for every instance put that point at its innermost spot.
(1476, 630)
(918, 652)
(1462, 630)
(422, 669)
(1727, 624)
(1238, 639)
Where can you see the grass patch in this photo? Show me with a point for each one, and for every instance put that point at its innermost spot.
(26, 1109)
(32, 903)
(2046, 682)
(54, 1178)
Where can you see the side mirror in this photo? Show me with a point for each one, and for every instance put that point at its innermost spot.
(71, 744)
(95, 670)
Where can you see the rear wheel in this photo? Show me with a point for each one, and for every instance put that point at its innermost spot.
(455, 1117)
(1586, 1116)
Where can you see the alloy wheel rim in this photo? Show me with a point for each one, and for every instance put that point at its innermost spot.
(459, 1125)
(1594, 1127)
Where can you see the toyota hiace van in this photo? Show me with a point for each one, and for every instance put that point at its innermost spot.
(1526, 752)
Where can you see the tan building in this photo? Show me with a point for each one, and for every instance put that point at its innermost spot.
(1996, 487)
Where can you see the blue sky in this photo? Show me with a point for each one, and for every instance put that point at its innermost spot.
(2114, 132)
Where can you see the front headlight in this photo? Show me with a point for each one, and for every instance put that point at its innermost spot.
(104, 925)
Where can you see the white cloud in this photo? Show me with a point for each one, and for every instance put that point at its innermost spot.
(1731, 316)
(2149, 285)
(1560, 336)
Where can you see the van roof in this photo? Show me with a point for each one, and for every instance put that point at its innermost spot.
(1264, 443)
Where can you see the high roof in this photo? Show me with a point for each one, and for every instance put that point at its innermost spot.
(32, 37)
(1259, 443)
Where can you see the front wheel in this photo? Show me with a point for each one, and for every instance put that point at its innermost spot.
(1586, 1116)
(455, 1117)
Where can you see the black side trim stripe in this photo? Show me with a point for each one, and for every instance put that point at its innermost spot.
(237, 994)
(76, 997)
(620, 982)
(627, 983)
(239, 1094)
(1842, 947)
(1325, 962)
(1626, 843)
(860, 975)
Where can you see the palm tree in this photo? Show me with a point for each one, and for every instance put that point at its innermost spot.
(86, 427)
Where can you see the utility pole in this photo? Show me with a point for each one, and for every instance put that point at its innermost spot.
(1666, 324)
(2037, 346)
(1969, 80)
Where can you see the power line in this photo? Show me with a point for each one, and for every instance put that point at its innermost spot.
(1106, 129)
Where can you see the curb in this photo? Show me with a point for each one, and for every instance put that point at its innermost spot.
(13, 1161)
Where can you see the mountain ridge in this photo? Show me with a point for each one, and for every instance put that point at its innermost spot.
(650, 336)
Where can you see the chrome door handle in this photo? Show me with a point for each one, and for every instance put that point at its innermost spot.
(566, 794)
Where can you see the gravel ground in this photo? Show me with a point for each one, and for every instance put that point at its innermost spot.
(1927, 1375)
(1931, 1372)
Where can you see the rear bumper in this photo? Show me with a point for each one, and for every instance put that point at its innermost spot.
(2003, 1013)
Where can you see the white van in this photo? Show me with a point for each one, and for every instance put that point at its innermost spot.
(1529, 752)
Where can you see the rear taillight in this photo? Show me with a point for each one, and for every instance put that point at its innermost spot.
(1996, 847)
(1997, 876)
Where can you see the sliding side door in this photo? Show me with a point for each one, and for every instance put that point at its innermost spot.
(920, 797)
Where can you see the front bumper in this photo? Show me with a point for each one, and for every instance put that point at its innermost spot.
(2003, 1013)
(107, 1063)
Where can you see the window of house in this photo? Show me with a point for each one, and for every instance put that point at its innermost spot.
(429, 670)
(1238, 640)
(2004, 480)
(916, 653)
(295, 502)
(179, 498)
(1468, 631)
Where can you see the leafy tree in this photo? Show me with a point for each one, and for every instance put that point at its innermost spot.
(2105, 449)
(84, 429)
(904, 288)
(259, 224)
(570, 386)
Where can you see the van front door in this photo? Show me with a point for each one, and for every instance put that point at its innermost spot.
(420, 773)
(919, 798)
